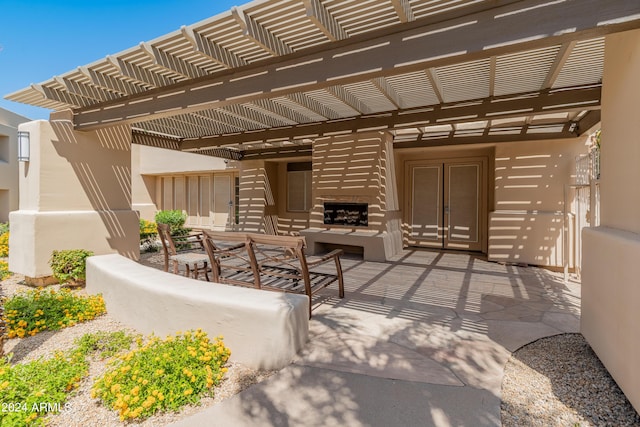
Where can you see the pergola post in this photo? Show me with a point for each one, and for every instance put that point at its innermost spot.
(75, 193)
(611, 271)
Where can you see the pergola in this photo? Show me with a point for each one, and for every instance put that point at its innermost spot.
(266, 78)
(271, 78)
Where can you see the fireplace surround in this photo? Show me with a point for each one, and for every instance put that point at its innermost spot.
(346, 214)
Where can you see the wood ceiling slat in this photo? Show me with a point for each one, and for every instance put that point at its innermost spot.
(483, 109)
(523, 71)
(260, 34)
(369, 98)
(324, 20)
(584, 65)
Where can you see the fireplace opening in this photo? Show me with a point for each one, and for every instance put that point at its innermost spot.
(348, 214)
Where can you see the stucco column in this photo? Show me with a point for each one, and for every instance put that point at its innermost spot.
(256, 196)
(357, 168)
(611, 271)
(75, 193)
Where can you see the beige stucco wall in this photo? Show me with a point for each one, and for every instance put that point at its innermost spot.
(527, 220)
(264, 330)
(256, 192)
(150, 163)
(356, 168)
(75, 192)
(610, 268)
(9, 162)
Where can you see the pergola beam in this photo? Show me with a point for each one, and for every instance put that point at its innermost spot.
(211, 49)
(589, 120)
(493, 137)
(171, 62)
(403, 10)
(558, 63)
(260, 34)
(301, 150)
(320, 16)
(143, 75)
(485, 109)
(520, 26)
(63, 96)
(108, 82)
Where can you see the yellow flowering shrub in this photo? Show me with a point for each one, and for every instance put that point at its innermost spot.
(4, 270)
(37, 310)
(4, 245)
(163, 375)
(31, 392)
(147, 229)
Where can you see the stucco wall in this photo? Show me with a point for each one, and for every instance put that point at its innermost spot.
(149, 164)
(526, 223)
(9, 162)
(610, 268)
(75, 192)
(255, 193)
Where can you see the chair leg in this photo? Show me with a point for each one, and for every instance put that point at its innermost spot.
(340, 278)
(206, 276)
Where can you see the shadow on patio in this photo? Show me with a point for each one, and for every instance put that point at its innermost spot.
(420, 339)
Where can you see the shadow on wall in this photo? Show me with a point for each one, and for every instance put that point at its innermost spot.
(351, 169)
(255, 194)
(101, 161)
(527, 224)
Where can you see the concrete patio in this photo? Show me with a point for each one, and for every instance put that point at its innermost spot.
(421, 340)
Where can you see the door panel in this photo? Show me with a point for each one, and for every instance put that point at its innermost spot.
(222, 197)
(426, 205)
(445, 203)
(462, 206)
(193, 193)
(205, 201)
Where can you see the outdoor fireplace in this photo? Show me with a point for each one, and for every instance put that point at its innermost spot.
(348, 214)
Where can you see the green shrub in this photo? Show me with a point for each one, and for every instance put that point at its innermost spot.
(36, 310)
(106, 344)
(4, 244)
(4, 227)
(175, 219)
(163, 375)
(31, 391)
(69, 265)
(4, 270)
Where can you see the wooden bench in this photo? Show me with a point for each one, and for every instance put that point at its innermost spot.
(270, 262)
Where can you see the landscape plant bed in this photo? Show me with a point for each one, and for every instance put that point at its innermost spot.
(98, 347)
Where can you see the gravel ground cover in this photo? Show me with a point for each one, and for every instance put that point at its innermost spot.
(559, 381)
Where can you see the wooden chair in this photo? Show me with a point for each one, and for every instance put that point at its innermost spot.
(187, 250)
(229, 258)
(270, 262)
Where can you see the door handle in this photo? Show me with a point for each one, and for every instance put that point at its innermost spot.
(446, 210)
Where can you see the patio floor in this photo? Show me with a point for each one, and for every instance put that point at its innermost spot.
(420, 340)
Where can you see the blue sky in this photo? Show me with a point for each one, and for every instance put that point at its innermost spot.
(40, 39)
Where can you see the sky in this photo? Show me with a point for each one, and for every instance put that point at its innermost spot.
(40, 39)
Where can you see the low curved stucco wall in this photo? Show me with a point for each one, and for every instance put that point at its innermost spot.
(263, 329)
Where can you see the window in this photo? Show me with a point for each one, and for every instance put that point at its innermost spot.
(4, 148)
(299, 187)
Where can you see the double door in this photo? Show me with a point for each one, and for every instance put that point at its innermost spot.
(446, 203)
